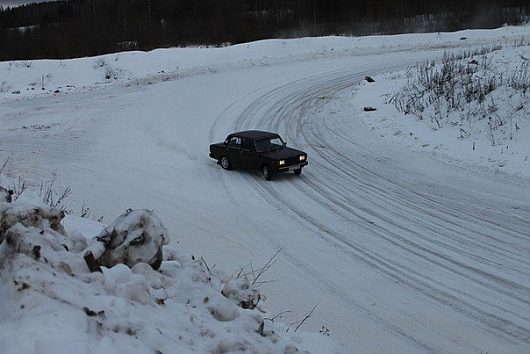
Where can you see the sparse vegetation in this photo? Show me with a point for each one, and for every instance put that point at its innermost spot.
(4, 86)
(464, 89)
(46, 189)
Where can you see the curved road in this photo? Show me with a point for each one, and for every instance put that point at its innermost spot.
(436, 233)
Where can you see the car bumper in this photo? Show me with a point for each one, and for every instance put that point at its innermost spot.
(291, 168)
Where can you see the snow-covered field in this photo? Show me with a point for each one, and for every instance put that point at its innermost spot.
(491, 131)
(401, 251)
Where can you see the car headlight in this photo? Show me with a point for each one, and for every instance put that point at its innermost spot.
(281, 163)
(302, 158)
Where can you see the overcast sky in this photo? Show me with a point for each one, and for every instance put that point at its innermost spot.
(6, 3)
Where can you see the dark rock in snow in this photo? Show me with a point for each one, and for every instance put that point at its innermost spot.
(135, 237)
(241, 291)
(27, 215)
(5, 195)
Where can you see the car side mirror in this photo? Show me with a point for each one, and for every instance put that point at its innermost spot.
(284, 143)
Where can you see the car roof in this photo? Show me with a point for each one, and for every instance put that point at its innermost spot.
(254, 134)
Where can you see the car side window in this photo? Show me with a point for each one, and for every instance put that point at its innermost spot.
(246, 144)
(234, 141)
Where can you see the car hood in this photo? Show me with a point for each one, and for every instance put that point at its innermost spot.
(281, 154)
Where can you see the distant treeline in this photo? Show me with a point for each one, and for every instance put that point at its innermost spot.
(75, 28)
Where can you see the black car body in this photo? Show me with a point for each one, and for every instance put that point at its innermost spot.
(258, 150)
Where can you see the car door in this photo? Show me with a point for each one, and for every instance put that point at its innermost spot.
(248, 155)
(233, 151)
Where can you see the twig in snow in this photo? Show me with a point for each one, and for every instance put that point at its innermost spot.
(279, 315)
(4, 165)
(265, 267)
(203, 261)
(304, 319)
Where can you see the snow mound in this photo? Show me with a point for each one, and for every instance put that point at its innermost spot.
(135, 237)
(60, 306)
(29, 213)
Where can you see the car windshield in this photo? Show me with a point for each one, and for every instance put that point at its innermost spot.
(267, 144)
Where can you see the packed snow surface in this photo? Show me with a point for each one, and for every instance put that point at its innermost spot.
(403, 251)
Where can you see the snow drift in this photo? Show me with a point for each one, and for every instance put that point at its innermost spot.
(60, 306)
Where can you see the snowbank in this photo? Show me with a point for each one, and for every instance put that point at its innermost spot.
(45, 77)
(468, 109)
(52, 303)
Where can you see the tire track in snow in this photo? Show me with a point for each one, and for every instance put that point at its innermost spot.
(286, 109)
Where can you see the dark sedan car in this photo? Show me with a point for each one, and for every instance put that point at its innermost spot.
(258, 150)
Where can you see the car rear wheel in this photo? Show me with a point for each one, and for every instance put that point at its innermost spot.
(225, 163)
(266, 172)
(298, 172)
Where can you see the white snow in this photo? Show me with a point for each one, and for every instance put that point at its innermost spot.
(52, 303)
(44, 77)
(464, 141)
(402, 252)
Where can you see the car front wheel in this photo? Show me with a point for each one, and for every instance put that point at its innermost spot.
(225, 163)
(266, 172)
(298, 172)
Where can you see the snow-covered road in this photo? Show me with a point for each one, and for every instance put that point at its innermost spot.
(457, 258)
(401, 253)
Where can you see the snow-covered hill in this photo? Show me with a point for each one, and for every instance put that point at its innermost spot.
(44, 77)
(477, 113)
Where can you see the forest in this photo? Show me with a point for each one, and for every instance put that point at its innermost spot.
(77, 28)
